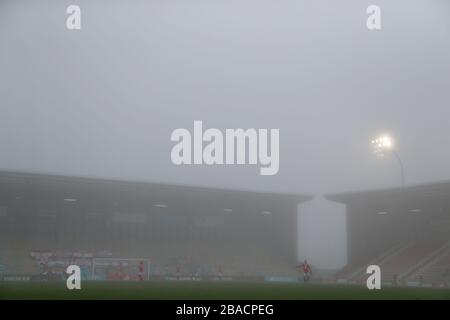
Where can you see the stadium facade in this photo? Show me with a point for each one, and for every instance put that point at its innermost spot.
(405, 230)
(49, 221)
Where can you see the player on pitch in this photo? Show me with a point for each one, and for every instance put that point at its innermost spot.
(307, 272)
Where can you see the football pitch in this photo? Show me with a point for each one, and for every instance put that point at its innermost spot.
(209, 291)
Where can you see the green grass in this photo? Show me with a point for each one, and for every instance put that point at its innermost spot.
(209, 290)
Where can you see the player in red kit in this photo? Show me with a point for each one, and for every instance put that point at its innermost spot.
(307, 272)
(141, 271)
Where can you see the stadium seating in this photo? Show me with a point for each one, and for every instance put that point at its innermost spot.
(357, 273)
(422, 260)
(435, 273)
(396, 268)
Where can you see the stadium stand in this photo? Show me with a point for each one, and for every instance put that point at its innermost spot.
(414, 222)
(182, 230)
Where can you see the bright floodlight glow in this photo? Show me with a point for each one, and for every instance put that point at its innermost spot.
(228, 210)
(386, 142)
(381, 144)
(161, 205)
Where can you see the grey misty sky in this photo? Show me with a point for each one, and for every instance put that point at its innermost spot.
(103, 101)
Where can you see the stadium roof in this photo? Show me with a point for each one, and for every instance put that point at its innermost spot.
(413, 199)
(130, 195)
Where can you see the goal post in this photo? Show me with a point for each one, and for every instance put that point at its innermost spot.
(117, 269)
